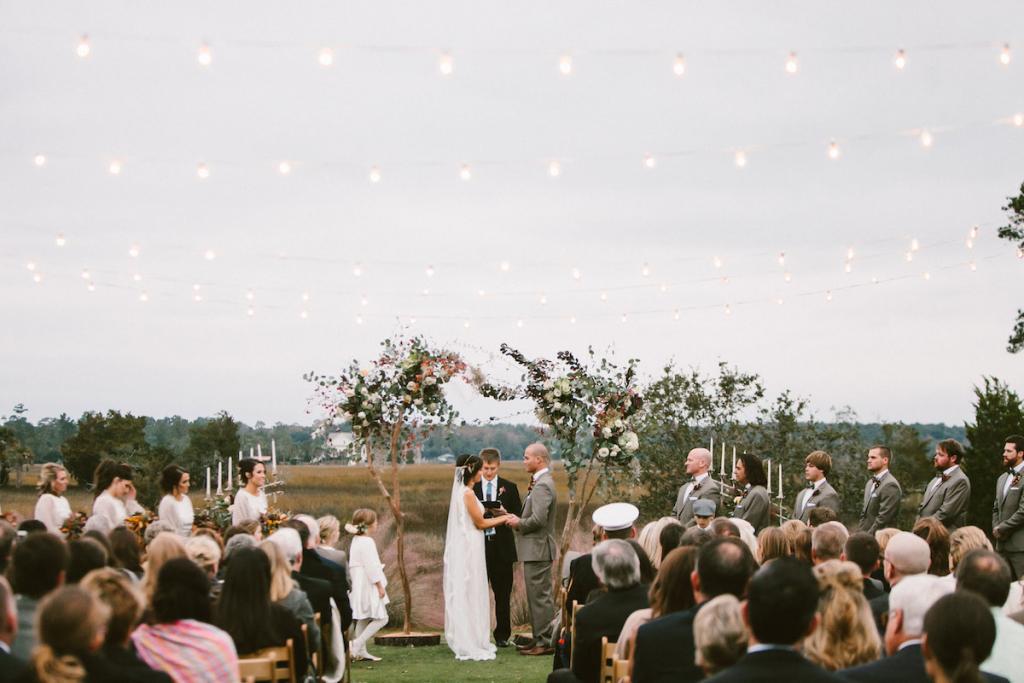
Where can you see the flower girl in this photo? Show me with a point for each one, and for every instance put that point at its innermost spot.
(368, 597)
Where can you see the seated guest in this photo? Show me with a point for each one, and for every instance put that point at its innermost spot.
(905, 555)
(961, 542)
(245, 612)
(647, 569)
(862, 549)
(694, 537)
(986, 573)
(117, 591)
(746, 530)
(670, 592)
(205, 552)
(31, 526)
(181, 641)
(846, 635)
(781, 610)
(315, 566)
(330, 536)
(883, 536)
(84, 555)
(285, 592)
(650, 538)
(792, 529)
(155, 528)
(70, 627)
(669, 538)
(615, 520)
(618, 569)
(772, 542)
(724, 565)
(126, 551)
(723, 526)
(958, 634)
(803, 544)
(164, 548)
(818, 516)
(317, 591)
(827, 541)
(703, 512)
(719, 634)
(908, 603)
(936, 535)
(38, 566)
(7, 535)
(10, 666)
(250, 527)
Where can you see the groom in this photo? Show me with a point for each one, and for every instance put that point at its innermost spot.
(535, 540)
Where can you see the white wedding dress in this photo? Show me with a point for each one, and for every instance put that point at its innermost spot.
(467, 604)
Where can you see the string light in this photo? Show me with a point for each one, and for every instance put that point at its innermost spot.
(465, 173)
(675, 314)
(91, 286)
(554, 169)
(250, 311)
(325, 56)
(1004, 55)
(926, 138)
(204, 56)
(833, 150)
(249, 295)
(974, 266)
(974, 231)
(900, 60)
(717, 262)
(429, 271)
(779, 301)
(724, 280)
(828, 296)
(31, 265)
(303, 314)
(565, 65)
(84, 49)
(543, 300)
(197, 297)
(359, 320)
(645, 270)
(37, 277)
(519, 323)
(909, 256)
(363, 301)
(357, 270)
(209, 254)
(1018, 120)
(782, 258)
(86, 274)
(284, 168)
(203, 171)
(143, 297)
(305, 296)
(623, 319)
(604, 297)
(576, 274)
(874, 280)
(664, 287)
(572, 320)
(741, 159)
(412, 321)
(728, 309)
(137, 277)
(375, 175)
(679, 65)
(927, 276)
(505, 266)
(60, 241)
(133, 251)
(850, 254)
(792, 65)
(788, 277)
(848, 267)
(446, 65)
(481, 292)
(914, 245)
(425, 292)
(649, 161)
(969, 243)
(114, 167)
(39, 160)
(466, 324)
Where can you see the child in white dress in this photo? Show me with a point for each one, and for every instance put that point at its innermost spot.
(367, 595)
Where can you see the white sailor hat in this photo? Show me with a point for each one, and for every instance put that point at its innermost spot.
(615, 516)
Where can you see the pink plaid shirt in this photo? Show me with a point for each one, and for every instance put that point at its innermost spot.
(189, 651)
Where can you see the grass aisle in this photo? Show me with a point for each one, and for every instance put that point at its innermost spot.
(430, 664)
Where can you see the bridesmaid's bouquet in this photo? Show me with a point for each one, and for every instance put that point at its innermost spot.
(74, 526)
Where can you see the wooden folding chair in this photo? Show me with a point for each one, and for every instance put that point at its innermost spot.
(572, 635)
(317, 656)
(257, 669)
(607, 661)
(621, 670)
(283, 658)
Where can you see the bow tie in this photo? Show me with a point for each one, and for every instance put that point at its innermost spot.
(530, 487)
(875, 481)
(944, 477)
(1012, 471)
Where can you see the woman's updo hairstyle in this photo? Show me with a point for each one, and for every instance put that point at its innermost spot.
(245, 470)
(171, 477)
(362, 520)
(70, 623)
(470, 465)
(47, 476)
(106, 472)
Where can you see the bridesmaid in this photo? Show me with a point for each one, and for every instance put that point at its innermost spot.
(753, 504)
(52, 508)
(250, 501)
(112, 483)
(175, 506)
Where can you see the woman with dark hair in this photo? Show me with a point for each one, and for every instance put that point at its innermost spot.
(753, 502)
(245, 612)
(176, 506)
(126, 549)
(181, 639)
(959, 632)
(111, 485)
(647, 569)
(935, 533)
(250, 501)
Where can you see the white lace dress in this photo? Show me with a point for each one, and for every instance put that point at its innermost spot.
(467, 604)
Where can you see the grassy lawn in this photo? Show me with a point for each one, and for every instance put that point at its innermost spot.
(427, 664)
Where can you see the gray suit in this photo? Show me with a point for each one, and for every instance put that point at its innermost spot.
(947, 501)
(881, 504)
(823, 497)
(755, 507)
(708, 489)
(1008, 517)
(535, 544)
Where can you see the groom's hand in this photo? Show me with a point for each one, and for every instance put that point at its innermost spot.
(512, 521)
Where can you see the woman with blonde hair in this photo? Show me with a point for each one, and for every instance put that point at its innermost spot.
(772, 542)
(719, 634)
(52, 508)
(166, 546)
(330, 534)
(71, 625)
(285, 592)
(846, 635)
(205, 552)
(650, 538)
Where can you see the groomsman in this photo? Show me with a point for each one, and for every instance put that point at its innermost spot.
(701, 487)
(1008, 507)
(882, 493)
(947, 496)
(820, 493)
(499, 542)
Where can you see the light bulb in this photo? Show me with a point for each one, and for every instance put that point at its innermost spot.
(645, 270)
(196, 287)
(203, 171)
(782, 258)
(357, 270)
(724, 280)
(91, 286)
(679, 65)
(86, 274)
(84, 48)
(848, 267)
(363, 301)
(927, 275)
(37, 277)
(412, 321)
(926, 138)
(828, 295)
(198, 298)
(425, 292)
(1020, 253)
(446, 65)
(623, 318)
(203, 55)
(1004, 55)
(576, 274)
(60, 241)
(741, 159)
(974, 231)
(31, 265)
(650, 162)
(209, 254)
(465, 172)
(554, 169)
(519, 323)
(717, 262)
(909, 256)
(728, 309)
(675, 314)
(565, 65)
(1018, 120)
(305, 296)
(284, 168)
(779, 301)
(250, 311)
(481, 292)
(604, 296)
(969, 243)
(115, 167)
(505, 266)
(375, 175)
(543, 300)
(850, 254)
(874, 280)
(137, 277)
(39, 160)
(303, 314)
(833, 150)
(359, 320)
(250, 295)
(325, 56)
(974, 266)
(466, 324)
(572, 320)
(792, 65)
(133, 251)
(144, 297)
(788, 277)
(900, 60)
(914, 245)
(664, 287)
(429, 271)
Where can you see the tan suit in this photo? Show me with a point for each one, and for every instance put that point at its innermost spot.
(535, 543)
(947, 500)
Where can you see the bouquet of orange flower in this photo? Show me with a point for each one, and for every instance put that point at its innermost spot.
(216, 515)
(271, 520)
(138, 522)
(74, 526)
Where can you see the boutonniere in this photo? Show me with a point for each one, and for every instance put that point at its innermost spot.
(1016, 479)
(816, 492)
(737, 500)
(501, 491)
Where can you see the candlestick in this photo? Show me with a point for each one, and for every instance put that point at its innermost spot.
(769, 468)
(259, 451)
(273, 457)
(734, 460)
(220, 465)
(712, 448)
(723, 460)
(780, 480)
(207, 482)
(229, 473)
(250, 453)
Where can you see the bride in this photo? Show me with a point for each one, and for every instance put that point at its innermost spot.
(467, 605)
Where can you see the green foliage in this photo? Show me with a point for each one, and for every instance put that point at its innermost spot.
(1014, 232)
(997, 413)
(210, 441)
(511, 440)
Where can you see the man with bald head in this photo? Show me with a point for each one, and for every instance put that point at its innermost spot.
(535, 545)
(906, 555)
(701, 487)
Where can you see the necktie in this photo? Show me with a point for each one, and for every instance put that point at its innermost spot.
(530, 487)
(490, 496)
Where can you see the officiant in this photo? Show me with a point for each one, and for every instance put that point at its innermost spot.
(499, 495)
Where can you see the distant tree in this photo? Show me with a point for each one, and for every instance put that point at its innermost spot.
(997, 413)
(172, 433)
(99, 436)
(1014, 232)
(210, 440)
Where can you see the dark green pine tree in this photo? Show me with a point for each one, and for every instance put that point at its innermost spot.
(998, 412)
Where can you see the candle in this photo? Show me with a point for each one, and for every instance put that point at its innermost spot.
(250, 452)
(220, 465)
(769, 468)
(229, 473)
(712, 448)
(780, 480)
(259, 451)
(734, 459)
(273, 457)
(207, 482)
(722, 472)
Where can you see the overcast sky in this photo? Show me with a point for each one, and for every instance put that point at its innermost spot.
(907, 348)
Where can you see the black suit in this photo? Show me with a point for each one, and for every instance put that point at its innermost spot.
(879, 608)
(582, 581)
(11, 667)
(319, 593)
(500, 549)
(315, 566)
(775, 665)
(664, 651)
(906, 666)
(872, 588)
(604, 616)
